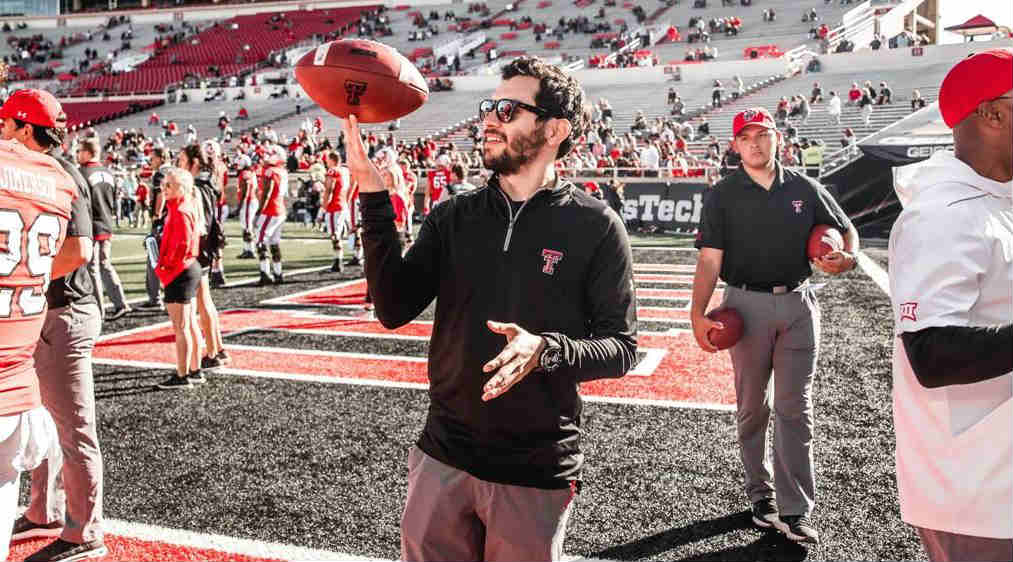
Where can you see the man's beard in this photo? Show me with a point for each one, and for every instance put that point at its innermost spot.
(516, 154)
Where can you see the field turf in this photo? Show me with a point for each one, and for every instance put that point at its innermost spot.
(322, 465)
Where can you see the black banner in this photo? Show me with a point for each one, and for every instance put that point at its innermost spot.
(668, 206)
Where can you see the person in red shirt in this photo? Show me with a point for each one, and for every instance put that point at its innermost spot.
(336, 187)
(249, 200)
(393, 181)
(35, 215)
(142, 204)
(180, 274)
(854, 94)
(272, 215)
(411, 185)
(439, 180)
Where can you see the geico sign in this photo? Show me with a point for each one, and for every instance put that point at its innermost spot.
(923, 151)
(651, 208)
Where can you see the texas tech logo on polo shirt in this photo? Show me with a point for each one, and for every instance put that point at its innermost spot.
(798, 206)
(551, 257)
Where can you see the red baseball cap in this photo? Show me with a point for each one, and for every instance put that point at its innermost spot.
(37, 107)
(752, 116)
(980, 77)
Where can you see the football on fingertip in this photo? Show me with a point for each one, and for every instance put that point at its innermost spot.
(824, 239)
(366, 78)
(732, 332)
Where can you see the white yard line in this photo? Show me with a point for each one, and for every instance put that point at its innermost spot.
(878, 275)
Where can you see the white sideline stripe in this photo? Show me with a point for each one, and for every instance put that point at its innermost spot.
(660, 403)
(878, 275)
(285, 299)
(650, 363)
(663, 268)
(132, 331)
(130, 257)
(222, 543)
(408, 385)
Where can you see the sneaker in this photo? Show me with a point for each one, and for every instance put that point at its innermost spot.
(337, 266)
(353, 261)
(68, 551)
(151, 305)
(246, 255)
(223, 357)
(265, 280)
(197, 377)
(798, 528)
(765, 513)
(118, 313)
(210, 363)
(25, 528)
(175, 382)
(278, 279)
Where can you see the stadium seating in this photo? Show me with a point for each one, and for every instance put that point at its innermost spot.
(84, 114)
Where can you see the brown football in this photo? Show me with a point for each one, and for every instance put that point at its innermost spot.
(824, 239)
(729, 336)
(365, 78)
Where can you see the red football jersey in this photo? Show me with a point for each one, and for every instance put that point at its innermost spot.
(342, 180)
(439, 179)
(35, 200)
(249, 186)
(275, 179)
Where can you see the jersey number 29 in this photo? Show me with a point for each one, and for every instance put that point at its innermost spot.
(38, 260)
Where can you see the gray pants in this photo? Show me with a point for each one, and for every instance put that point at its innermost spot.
(152, 284)
(781, 334)
(942, 546)
(104, 273)
(68, 486)
(451, 515)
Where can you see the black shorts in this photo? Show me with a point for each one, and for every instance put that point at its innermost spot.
(184, 286)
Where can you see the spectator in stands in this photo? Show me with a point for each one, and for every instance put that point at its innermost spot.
(672, 95)
(917, 101)
(740, 88)
(650, 158)
(704, 129)
(854, 94)
(871, 89)
(850, 141)
(885, 94)
(769, 15)
(865, 104)
(781, 114)
(817, 94)
(717, 93)
(876, 42)
(834, 107)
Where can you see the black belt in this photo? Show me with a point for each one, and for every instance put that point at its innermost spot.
(774, 289)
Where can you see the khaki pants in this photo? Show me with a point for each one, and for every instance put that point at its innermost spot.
(105, 275)
(781, 334)
(451, 515)
(68, 486)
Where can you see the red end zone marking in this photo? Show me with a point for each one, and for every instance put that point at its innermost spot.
(685, 373)
(129, 548)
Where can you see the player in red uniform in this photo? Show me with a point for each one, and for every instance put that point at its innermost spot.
(439, 180)
(249, 202)
(35, 203)
(272, 215)
(336, 186)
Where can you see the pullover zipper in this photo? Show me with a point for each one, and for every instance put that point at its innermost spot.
(513, 219)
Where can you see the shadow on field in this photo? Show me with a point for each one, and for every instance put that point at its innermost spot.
(769, 546)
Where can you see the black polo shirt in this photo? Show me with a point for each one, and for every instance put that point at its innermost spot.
(762, 233)
(76, 286)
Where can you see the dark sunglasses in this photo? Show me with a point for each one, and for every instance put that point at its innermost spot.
(505, 109)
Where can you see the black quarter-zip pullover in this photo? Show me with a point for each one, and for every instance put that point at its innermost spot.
(560, 266)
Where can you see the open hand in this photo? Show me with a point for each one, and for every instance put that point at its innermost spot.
(518, 358)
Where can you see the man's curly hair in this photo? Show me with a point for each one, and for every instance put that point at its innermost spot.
(558, 93)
